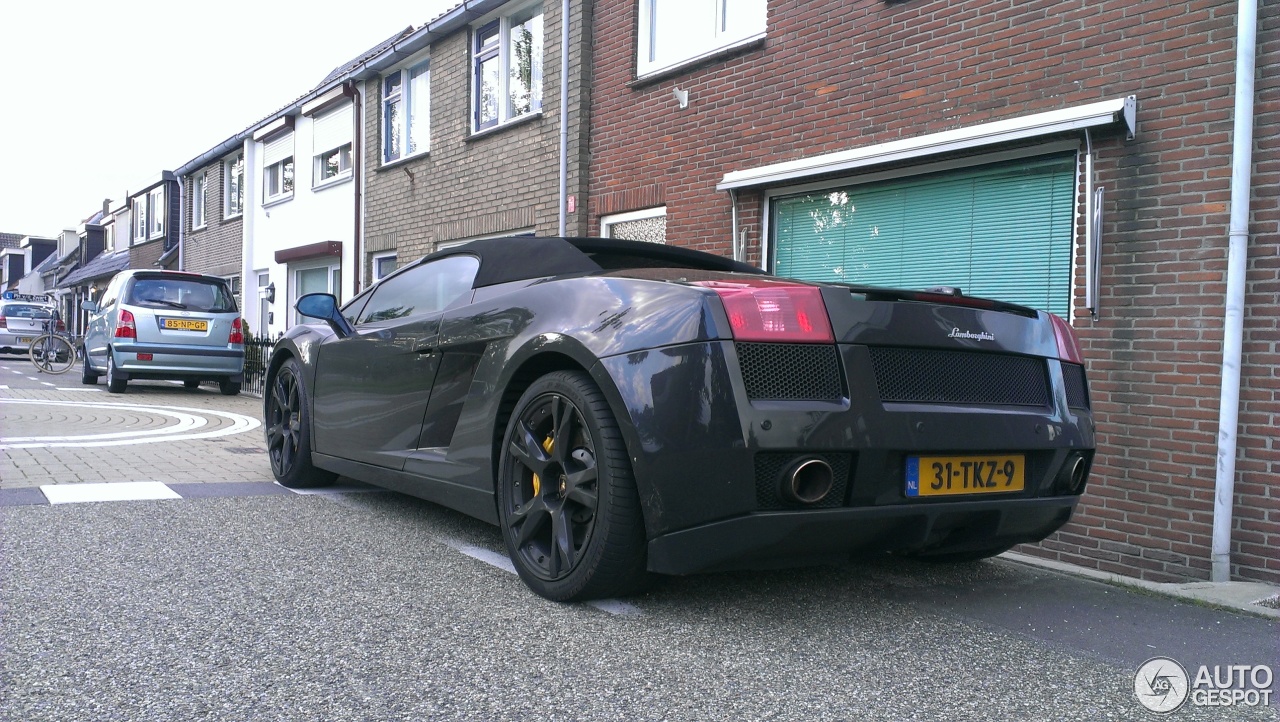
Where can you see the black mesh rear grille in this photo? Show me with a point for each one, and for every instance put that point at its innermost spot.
(959, 377)
(802, 371)
(1077, 390)
(769, 468)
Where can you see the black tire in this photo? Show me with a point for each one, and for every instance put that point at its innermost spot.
(287, 412)
(227, 387)
(581, 536)
(88, 376)
(115, 384)
(190, 383)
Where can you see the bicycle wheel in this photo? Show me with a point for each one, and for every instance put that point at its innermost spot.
(52, 354)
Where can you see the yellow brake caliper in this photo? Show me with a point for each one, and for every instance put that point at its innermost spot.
(547, 445)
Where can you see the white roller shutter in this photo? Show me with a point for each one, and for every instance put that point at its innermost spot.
(332, 130)
(277, 150)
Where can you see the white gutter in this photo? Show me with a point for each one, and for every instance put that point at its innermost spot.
(564, 114)
(1233, 323)
(1078, 117)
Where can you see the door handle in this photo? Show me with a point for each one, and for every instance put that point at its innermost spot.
(425, 350)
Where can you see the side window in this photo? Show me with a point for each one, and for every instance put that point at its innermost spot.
(351, 311)
(425, 289)
(109, 295)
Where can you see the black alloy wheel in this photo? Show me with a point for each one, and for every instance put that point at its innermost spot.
(288, 431)
(569, 510)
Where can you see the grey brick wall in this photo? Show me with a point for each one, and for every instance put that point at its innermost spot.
(218, 248)
(504, 179)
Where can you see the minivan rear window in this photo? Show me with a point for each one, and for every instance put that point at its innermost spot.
(16, 310)
(187, 294)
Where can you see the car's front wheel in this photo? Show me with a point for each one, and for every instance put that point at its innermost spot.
(288, 428)
(567, 499)
(115, 384)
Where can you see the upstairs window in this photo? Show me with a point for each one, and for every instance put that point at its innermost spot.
(673, 32)
(139, 219)
(109, 236)
(277, 169)
(405, 112)
(155, 213)
(507, 68)
(197, 201)
(233, 171)
(331, 146)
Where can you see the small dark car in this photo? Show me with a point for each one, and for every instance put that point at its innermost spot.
(623, 409)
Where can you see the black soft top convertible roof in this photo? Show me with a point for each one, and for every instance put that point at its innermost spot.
(519, 258)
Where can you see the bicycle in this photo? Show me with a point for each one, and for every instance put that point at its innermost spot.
(52, 351)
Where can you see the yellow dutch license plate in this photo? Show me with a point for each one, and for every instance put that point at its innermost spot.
(963, 474)
(185, 324)
(26, 339)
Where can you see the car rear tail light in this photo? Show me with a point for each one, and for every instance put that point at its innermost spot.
(4, 322)
(1068, 342)
(61, 326)
(775, 313)
(237, 332)
(125, 327)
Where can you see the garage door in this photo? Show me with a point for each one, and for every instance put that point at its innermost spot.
(1002, 231)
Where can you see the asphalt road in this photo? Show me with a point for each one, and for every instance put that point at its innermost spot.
(243, 601)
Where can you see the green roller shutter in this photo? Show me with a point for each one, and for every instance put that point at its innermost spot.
(1003, 231)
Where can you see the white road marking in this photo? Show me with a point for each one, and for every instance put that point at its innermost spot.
(4, 388)
(335, 489)
(185, 421)
(46, 383)
(491, 558)
(616, 607)
(121, 491)
(69, 388)
(240, 423)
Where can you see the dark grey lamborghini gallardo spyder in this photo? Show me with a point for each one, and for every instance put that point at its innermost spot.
(625, 409)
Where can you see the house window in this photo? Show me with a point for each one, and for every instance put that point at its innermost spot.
(234, 174)
(197, 201)
(405, 112)
(155, 213)
(677, 31)
(333, 164)
(277, 180)
(314, 279)
(139, 219)
(383, 265)
(331, 147)
(109, 237)
(264, 304)
(507, 68)
(647, 225)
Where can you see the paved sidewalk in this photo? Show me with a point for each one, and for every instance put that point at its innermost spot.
(156, 431)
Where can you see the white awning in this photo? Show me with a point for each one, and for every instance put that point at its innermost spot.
(1078, 117)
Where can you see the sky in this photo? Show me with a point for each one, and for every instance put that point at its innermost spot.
(100, 96)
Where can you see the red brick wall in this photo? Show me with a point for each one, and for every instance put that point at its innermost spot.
(836, 75)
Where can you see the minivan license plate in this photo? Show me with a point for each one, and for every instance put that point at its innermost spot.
(962, 474)
(185, 324)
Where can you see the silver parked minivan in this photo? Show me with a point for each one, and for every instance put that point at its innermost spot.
(164, 325)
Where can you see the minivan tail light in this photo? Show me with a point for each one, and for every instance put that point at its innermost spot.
(1068, 342)
(125, 327)
(775, 313)
(4, 322)
(237, 332)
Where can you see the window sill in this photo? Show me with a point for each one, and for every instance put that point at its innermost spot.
(331, 182)
(271, 202)
(755, 42)
(200, 227)
(402, 161)
(526, 118)
(233, 216)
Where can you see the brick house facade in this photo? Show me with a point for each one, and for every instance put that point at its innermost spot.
(213, 241)
(149, 243)
(473, 183)
(867, 78)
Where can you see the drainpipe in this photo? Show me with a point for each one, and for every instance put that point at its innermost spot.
(357, 152)
(564, 114)
(1233, 325)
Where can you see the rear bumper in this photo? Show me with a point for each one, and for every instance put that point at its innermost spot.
(176, 362)
(17, 342)
(786, 538)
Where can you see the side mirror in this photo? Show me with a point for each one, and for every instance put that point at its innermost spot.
(324, 307)
(90, 306)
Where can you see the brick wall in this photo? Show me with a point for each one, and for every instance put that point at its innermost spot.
(218, 248)
(501, 180)
(837, 75)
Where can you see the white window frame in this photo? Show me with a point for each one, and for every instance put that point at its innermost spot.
(333, 265)
(230, 210)
(276, 173)
(138, 219)
(155, 213)
(109, 236)
(343, 174)
(373, 264)
(264, 306)
(408, 120)
(720, 36)
(480, 54)
(198, 184)
(607, 222)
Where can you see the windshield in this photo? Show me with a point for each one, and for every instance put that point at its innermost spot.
(188, 294)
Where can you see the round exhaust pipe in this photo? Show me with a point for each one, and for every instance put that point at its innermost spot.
(1073, 473)
(807, 481)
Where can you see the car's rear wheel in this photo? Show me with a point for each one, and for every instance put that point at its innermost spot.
(191, 383)
(228, 387)
(115, 384)
(288, 428)
(88, 376)
(567, 499)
